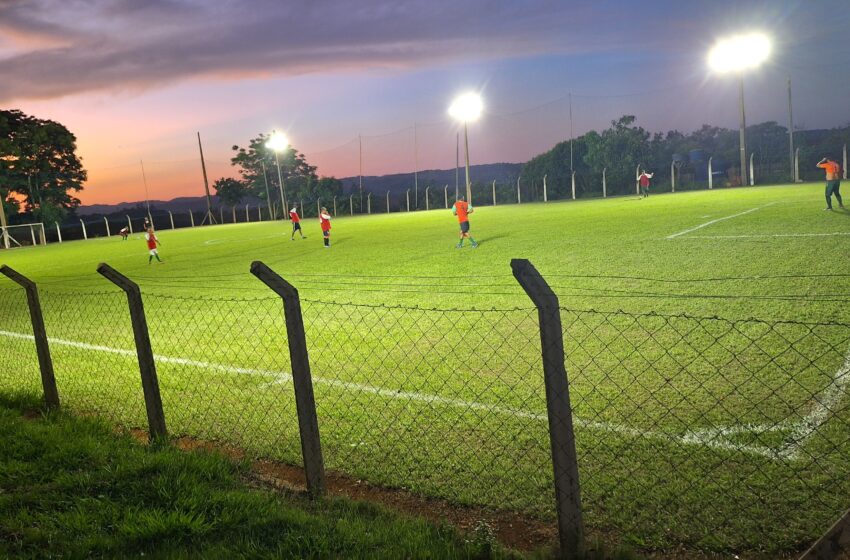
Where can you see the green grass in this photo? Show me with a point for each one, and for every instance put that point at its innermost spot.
(691, 431)
(72, 488)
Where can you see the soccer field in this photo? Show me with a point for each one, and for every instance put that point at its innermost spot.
(707, 338)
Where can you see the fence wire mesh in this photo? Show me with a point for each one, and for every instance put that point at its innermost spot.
(224, 372)
(725, 435)
(19, 372)
(706, 433)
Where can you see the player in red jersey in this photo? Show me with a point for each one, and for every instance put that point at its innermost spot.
(462, 210)
(325, 222)
(296, 223)
(152, 241)
(644, 181)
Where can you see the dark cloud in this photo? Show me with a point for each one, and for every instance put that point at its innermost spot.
(121, 44)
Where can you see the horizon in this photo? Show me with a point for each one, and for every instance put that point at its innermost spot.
(381, 70)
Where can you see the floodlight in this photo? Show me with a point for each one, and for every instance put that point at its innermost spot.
(738, 53)
(466, 107)
(277, 142)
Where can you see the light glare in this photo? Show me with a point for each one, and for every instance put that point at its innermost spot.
(738, 53)
(277, 142)
(466, 107)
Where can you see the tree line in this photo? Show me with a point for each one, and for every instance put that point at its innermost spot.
(624, 146)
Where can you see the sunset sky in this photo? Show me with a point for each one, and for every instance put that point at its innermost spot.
(135, 80)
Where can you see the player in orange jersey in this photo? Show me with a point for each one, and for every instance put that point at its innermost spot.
(833, 181)
(462, 210)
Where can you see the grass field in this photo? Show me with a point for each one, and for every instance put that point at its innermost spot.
(696, 426)
(72, 488)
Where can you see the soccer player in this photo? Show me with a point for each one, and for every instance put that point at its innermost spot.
(462, 210)
(296, 223)
(833, 181)
(125, 231)
(644, 180)
(152, 241)
(325, 222)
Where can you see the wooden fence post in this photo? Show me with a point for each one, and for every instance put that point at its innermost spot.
(147, 366)
(561, 436)
(42, 348)
(305, 402)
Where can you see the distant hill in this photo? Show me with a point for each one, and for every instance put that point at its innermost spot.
(396, 184)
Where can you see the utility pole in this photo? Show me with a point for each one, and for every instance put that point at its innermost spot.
(415, 169)
(571, 131)
(206, 182)
(743, 133)
(360, 142)
(147, 199)
(268, 195)
(790, 134)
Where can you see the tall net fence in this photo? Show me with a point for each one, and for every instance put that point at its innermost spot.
(693, 432)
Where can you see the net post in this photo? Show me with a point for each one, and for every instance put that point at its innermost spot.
(559, 411)
(42, 348)
(144, 353)
(305, 402)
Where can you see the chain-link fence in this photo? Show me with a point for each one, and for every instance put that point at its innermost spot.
(694, 432)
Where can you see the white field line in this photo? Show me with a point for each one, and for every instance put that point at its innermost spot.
(718, 220)
(703, 437)
(825, 404)
(768, 235)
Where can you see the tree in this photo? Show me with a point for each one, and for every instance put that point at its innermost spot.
(230, 191)
(298, 175)
(619, 149)
(39, 165)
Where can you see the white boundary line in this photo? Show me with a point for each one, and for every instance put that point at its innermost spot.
(706, 437)
(768, 235)
(718, 220)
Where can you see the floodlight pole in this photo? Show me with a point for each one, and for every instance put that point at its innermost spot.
(743, 132)
(282, 188)
(466, 147)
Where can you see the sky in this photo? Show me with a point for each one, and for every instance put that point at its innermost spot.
(136, 80)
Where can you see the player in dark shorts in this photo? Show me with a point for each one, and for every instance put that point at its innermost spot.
(296, 223)
(462, 210)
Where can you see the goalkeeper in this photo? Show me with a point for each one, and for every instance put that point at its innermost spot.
(462, 210)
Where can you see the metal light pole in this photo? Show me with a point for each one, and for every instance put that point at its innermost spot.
(278, 143)
(467, 108)
(743, 139)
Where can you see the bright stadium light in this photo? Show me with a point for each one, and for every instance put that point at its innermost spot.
(738, 54)
(278, 142)
(467, 108)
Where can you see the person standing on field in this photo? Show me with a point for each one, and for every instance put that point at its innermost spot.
(125, 231)
(152, 241)
(325, 222)
(296, 223)
(644, 181)
(833, 181)
(462, 210)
